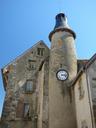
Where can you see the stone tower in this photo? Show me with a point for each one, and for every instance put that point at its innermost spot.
(50, 88)
(63, 65)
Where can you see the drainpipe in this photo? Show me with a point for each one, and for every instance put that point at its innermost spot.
(35, 121)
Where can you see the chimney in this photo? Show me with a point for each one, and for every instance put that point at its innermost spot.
(61, 25)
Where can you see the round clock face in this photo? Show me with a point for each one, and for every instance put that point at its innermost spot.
(62, 74)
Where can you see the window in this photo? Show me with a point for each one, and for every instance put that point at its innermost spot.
(31, 64)
(40, 51)
(26, 110)
(81, 89)
(29, 86)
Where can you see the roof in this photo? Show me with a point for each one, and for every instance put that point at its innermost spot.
(81, 63)
(83, 68)
(24, 53)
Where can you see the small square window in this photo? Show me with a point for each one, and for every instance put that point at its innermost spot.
(29, 86)
(31, 64)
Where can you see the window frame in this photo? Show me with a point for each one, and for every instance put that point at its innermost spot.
(40, 51)
(27, 113)
(29, 89)
(31, 64)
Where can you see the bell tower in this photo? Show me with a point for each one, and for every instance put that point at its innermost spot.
(63, 69)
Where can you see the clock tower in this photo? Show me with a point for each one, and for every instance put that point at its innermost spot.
(63, 69)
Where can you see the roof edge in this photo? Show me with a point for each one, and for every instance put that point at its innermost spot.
(3, 79)
(84, 68)
(22, 54)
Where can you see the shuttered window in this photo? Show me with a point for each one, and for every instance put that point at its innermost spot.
(20, 109)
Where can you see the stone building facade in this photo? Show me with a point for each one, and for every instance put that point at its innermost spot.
(50, 88)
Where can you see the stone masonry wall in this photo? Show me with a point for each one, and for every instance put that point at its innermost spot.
(91, 75)
(82, 103)
(15, 77)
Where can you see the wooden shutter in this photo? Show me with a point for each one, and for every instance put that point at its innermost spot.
(20, 109)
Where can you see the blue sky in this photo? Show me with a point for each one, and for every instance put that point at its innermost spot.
(25, 22)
